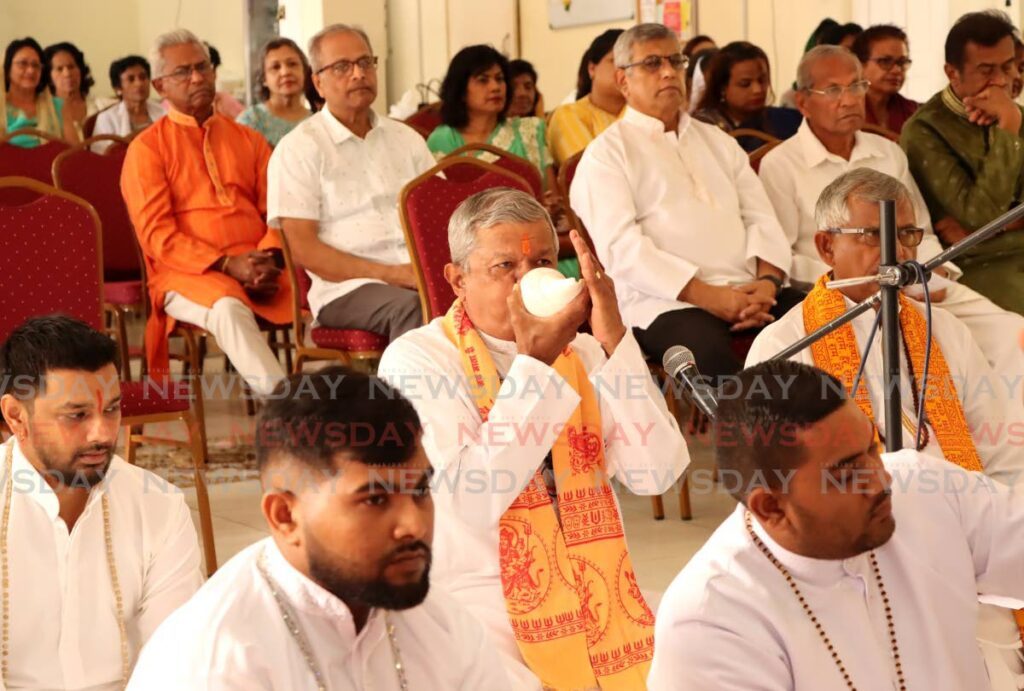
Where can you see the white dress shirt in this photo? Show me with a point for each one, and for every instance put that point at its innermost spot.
(64, 632)
(796, 172)
(482, 467)
(992, 410)
(321, 171)
(663, 208)
(117, 120)
(231, 637)
(730, 621)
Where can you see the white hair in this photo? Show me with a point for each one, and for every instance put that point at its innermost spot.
(641, 33)
(833, 207)
(318, 37)
(171, 38)
(487, 209)
(804, 80)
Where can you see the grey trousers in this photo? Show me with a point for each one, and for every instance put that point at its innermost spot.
(378, 307)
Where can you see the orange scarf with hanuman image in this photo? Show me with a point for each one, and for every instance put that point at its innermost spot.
(571, 594)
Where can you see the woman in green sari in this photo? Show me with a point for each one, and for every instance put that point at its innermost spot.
(475, 99)
(25, 100)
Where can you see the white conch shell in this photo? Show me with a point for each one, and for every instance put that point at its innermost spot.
(546, 291)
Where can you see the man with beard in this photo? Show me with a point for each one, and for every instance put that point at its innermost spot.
(842, 567)
(94, 553)
(337, 597)
(195, 184)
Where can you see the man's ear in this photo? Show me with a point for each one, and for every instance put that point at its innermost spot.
(766, 507)
(279, 510)
(952, 74)
(801, 102)
(622, 82)
(158, 86)
(456, 278)
(823, 242)
(15, 414)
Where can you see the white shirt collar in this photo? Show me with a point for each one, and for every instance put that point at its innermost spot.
(339, 132)
(820, 572)
(305, 595)
(653, 124)
(815, 153)
(30, 482)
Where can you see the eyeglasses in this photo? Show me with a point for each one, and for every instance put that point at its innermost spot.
(343, 68)
(28, 64)
(888, 62)
(204, 68)
(834, 93)
(652, 63)
(910, 236)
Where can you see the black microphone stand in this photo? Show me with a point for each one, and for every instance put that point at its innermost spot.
(892, 276)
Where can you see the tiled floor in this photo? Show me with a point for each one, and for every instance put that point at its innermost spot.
(659, 548)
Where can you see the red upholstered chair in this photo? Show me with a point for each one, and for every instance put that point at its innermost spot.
(516, 164)
(53, 263)
(34, 162)
(96, 178)
(759, 153)
(426, 119)
(341, 345)
(425, 205)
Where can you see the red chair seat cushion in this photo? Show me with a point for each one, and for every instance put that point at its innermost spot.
(122, 292)
(154, 396)
(347, 339)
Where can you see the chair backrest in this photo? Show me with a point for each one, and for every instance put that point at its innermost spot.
(756, 134)
(33, 162)
(426, 119)
(883, 131)
(759, 153)
(96, 178)
(89, 126)
(426, 205)
(516, 164)
(565, 177)
(300, 283)
(53, 260)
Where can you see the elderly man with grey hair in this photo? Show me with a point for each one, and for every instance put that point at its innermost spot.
(525, 421)
(829, 143)
(970, 417)
(194, 184)
(678, 216)
(333, 187)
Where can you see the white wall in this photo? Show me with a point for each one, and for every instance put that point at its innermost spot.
(371, 16)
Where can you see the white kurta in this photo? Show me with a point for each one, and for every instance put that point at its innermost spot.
(231, 637)
(796, 172)
(321, 171)
(663, 208)
(729, 621)
(116, 120)
(994, 416)
(64, 632)
(482, 467)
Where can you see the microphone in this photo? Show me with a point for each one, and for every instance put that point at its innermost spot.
(680, 364)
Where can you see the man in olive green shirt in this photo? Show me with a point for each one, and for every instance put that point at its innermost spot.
(966, 153)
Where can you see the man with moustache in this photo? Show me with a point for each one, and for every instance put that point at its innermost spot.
(966, 151)
(94, 552)
(334, 183)
(195, 187)
(338, 597)
(678, 216)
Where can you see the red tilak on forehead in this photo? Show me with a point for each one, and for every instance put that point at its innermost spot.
(525, 244)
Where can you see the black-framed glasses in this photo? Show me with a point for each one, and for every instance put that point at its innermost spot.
(204, 68)
(888, 62)
(908, 236)
(343, 68)
(28, 64)
(834, 93)
(652, 63)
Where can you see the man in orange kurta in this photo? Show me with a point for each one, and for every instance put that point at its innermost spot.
(195, 187)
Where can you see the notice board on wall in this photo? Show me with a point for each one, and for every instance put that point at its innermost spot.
(567, 13)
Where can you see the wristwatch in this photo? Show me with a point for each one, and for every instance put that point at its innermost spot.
(775, 280)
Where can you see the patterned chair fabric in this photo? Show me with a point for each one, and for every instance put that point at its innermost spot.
(34, 163)
(426, 119)
(426, 205)
(503, 159)
(153, 397)
(51, 257)
(96, 178)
